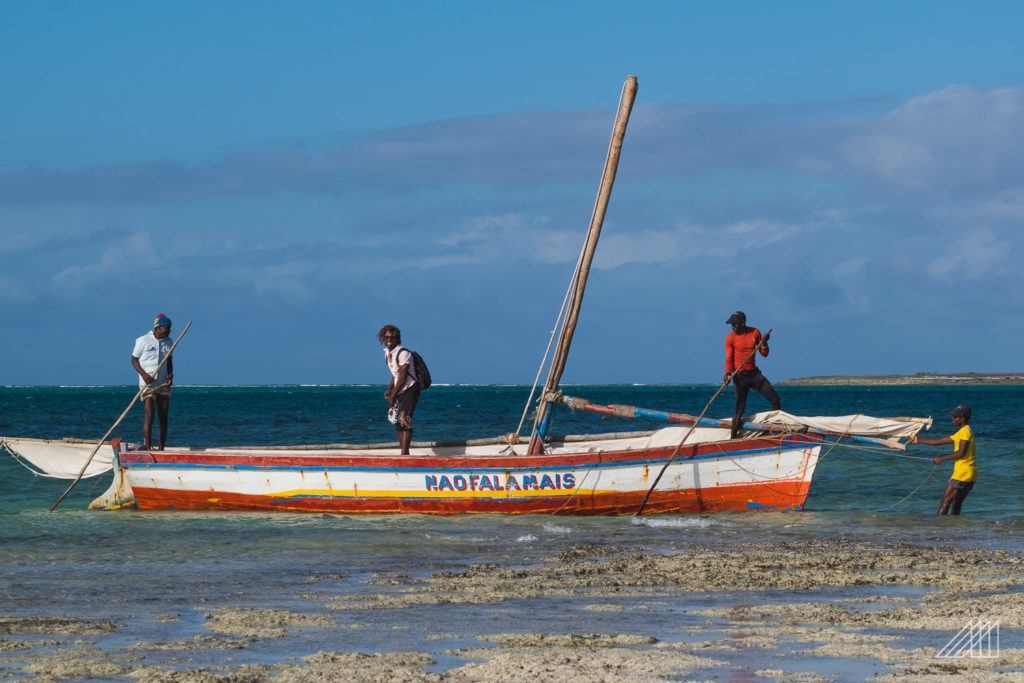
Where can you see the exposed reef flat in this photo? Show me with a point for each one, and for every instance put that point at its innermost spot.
(901, 380)
(779, 610)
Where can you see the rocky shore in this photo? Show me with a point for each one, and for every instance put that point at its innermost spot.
(937, 378)
(771, 611)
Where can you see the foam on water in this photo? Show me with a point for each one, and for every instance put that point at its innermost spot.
(674, 522)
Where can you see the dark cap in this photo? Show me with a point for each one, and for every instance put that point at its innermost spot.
(737, 318)
(961, 410)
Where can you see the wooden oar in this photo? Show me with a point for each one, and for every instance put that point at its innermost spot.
(118, 421)
(700, 417)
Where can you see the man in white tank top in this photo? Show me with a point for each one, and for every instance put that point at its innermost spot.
(404, 391)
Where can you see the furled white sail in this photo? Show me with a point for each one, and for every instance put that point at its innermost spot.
(859, 425)
(60, 459)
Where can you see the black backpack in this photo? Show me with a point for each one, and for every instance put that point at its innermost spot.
(419, 367)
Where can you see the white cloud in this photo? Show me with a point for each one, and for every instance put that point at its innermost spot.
(974, 255)
(958, 138)
(829, 217)
(642, 246)
(133, 255)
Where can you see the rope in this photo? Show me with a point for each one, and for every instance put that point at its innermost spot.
(573, 290)
(628, 412)
(578, 487)
(17, 458)
(832, 447)
(882, 451)
(838, 444)
(551, 340)
(696, 422)
(907, 497)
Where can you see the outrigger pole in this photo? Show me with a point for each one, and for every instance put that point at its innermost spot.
(604, 193)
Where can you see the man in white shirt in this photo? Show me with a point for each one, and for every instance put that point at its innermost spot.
(404, 391)
(150, 349)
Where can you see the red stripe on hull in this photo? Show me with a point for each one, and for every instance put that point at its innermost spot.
(516, 462)
(776, 495)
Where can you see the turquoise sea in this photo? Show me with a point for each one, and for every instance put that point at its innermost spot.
(135, 567)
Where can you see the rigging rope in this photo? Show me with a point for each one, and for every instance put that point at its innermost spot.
(571, 291)
(907, 497)
(17, 458)
(700, 417)
(838, 444)
(579, 487)
(547, 351)
(881, 451)
(832, 447)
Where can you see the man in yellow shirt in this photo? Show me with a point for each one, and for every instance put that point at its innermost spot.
(965, 469)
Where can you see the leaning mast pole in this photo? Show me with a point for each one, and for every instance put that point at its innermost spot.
(604, 193)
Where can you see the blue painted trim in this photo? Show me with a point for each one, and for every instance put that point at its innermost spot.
(660, 415)
(545, 424)
(538, 468)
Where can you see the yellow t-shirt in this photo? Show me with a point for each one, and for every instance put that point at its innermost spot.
(964, 469)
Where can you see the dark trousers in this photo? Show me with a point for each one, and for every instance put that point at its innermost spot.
(743, 382)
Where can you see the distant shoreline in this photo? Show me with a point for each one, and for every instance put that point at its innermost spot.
(936, 378)
(919, 378)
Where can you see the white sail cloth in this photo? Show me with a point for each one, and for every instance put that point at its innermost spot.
(858, 425)
(59, 459)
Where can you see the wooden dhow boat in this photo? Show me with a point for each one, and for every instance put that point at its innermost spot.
(694, 467)
(770, 468)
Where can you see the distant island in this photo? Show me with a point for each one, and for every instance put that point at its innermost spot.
(916, 378)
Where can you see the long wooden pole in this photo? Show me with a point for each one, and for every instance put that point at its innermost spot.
(118, 421)
(630, 412)
(728, 380)
(604, 193)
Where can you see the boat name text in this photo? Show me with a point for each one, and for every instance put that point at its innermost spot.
(497, 482)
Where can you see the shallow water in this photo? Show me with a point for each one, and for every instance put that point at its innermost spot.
(133, 567)
(848, 479)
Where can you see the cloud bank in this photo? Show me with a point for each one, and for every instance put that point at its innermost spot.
(849, 227)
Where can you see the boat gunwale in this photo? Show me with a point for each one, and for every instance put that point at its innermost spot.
(170, 459)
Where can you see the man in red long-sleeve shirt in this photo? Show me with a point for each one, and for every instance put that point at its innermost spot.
(740, 357)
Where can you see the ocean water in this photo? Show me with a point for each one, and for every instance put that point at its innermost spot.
(134, 567)
(848, 480)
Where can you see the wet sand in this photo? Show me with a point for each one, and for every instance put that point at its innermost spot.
(809, 611)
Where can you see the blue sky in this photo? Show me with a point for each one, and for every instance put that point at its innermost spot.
(290, 176)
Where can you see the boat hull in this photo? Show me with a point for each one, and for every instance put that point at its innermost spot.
(752, 474)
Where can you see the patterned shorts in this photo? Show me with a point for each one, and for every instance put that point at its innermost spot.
(405, 406)
(158, 390)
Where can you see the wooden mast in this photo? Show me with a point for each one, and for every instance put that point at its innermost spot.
(604, 193)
